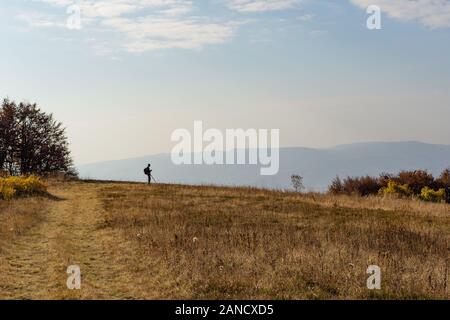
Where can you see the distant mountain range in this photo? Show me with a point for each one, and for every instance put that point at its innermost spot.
(317, 166)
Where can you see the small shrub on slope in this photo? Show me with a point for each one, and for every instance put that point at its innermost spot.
(395, 189)
(431, 195)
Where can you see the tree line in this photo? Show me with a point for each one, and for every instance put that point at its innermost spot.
(418, 183)
(32, 141)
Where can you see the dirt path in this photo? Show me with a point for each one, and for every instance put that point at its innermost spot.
(70, 235)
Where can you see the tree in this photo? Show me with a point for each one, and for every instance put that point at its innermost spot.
(444, 178)
(8, 134)
(416, 180)
(444, 182)
(336, 186)
(32, 142)
(297, 182)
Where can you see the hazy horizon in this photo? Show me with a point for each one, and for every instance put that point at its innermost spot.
(318, 167)
(285, 147)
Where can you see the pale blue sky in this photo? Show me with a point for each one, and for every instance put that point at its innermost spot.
(139, 69)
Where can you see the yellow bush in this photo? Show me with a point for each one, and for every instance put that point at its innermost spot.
(396, 189)
(429, 194)
(6, 191)
(21, 186)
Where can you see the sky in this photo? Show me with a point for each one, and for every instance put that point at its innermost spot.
(134, 71)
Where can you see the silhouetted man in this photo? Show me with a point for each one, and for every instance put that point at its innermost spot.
(148, 172)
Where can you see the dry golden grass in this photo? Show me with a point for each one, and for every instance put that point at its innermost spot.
(17, 219)
(18, 216)
(412, 206)
(134, 241)
(238, 243)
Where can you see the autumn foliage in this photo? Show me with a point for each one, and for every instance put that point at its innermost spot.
(419, 183)
(32, 142)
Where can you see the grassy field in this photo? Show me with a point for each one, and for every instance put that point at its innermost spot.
(134, 241)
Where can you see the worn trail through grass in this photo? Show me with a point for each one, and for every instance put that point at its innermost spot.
(34, 265)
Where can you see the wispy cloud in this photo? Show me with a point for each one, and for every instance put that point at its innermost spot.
(306, 17)
(261, 5)
(148, 25)
(155, 33)
(116, 8)
(430, 13)
(40, 20)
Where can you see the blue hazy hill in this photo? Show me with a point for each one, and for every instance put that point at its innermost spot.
(317, 166)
